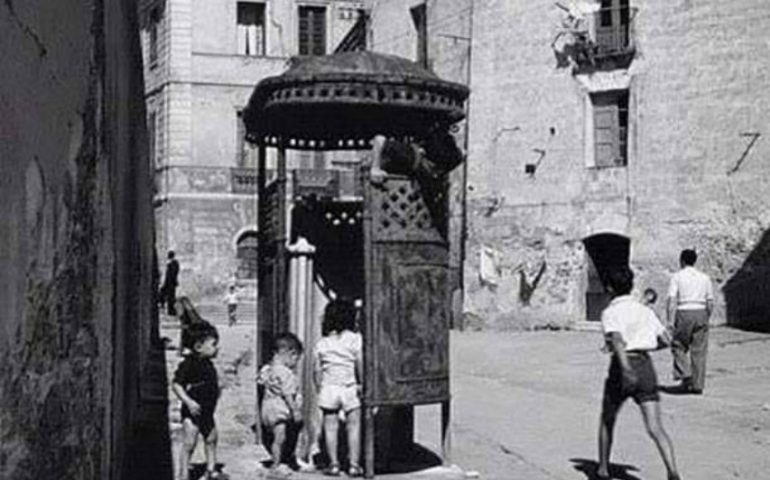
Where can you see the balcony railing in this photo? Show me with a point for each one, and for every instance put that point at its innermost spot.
(613, 34)
(244, 180)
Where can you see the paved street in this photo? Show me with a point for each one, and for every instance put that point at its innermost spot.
(526, 406)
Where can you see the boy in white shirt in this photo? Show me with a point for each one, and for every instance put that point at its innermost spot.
(632, 330)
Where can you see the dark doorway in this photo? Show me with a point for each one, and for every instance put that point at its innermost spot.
(603, 252)
(247, 255)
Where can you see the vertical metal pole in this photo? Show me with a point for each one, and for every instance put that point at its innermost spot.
(261, 177)
(464, 207)
(282, 318)
(446, 433)
(369, 327)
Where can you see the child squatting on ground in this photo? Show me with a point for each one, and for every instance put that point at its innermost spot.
(337, 361)
(197, 386)
(281, 408)
(632, 330)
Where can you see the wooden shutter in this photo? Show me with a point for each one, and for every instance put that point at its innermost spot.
(312, 31)
(606, 134)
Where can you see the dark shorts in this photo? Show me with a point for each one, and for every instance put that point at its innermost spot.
(204, 421)
(645, 389)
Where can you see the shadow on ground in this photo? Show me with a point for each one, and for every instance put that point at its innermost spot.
(618, 471)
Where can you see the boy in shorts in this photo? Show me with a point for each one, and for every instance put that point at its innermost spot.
(197, 386)
(337, 360)
(632, 330)
(281, 408)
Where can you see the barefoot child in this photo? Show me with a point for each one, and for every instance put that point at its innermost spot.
(337, 360)
(632, 330)
(281, 408)
(197, 386)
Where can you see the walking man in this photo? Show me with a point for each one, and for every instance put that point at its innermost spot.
(170, 282)
(690, 303)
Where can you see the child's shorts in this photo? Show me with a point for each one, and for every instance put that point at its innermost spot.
(644, 390)
(274, 411)
(336, 397)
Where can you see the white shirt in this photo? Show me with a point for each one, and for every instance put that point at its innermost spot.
(337, 354)
(637, 324)
(690, 289)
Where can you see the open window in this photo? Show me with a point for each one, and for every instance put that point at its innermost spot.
(251, 28)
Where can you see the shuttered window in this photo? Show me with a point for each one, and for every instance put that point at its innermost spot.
(610, 129)
(312, 30)
(420, 20)
(251, 28)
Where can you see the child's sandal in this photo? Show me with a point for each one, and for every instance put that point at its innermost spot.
(332, 471)
(355, 471)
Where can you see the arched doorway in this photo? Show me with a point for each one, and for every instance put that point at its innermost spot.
(603, 252)
(246, 253)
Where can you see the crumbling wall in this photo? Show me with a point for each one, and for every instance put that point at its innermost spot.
(76, 224)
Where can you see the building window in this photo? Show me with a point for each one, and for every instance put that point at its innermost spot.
(420, 20)
(312, 30)
(251, 28)
(152, 132)
(247, 245)
(246, 152)
(612, 27)
(610, 112)
(154, 33)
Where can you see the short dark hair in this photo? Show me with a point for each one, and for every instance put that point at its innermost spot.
(170, 254)
(621, 280)
(287, 342)
(339, 315)
(651, 292)
(200, 332)
(688, 257)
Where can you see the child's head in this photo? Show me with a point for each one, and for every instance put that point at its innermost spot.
(287, 349)
(205, 340)
(232, 288)
(339, 315)
(620, 280)
(650, 296)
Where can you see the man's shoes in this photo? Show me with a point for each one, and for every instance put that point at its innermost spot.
(695, 391)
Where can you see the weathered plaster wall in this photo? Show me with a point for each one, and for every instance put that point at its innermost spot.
(697, 83)
(76, 255)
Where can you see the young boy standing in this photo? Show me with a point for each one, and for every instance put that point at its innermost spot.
(197, 386)
(231, 299)
(281, 407)
(632, 330)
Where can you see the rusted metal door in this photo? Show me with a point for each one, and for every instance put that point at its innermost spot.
(407, 302)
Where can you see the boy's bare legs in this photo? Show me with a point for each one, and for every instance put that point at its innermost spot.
(353, 424)
(190, 437)
(331, 426)
(651, 415)
(211, 450)
(606, 427)
(279, 438)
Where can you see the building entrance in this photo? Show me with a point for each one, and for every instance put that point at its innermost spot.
(603, 252)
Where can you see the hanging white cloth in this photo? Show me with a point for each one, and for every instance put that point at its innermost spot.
(489, 265)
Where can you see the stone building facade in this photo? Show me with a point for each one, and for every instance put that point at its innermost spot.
(76, 258)
(600, 132)
(202, 61)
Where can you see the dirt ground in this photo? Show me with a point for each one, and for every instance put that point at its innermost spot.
(526, 405)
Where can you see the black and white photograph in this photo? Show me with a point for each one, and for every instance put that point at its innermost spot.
(384, 239)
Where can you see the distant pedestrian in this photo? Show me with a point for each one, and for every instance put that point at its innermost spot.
(632, 330)
(231, 299)
(281, 407)
(690, 303)
(337, 372)
(197, 386)
(170, 282)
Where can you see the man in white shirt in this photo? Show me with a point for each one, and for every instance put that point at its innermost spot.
(690, 303)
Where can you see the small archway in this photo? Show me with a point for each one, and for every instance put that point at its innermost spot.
(246, 246)
(603, 252)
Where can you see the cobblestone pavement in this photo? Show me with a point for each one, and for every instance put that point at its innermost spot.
(526, 405)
